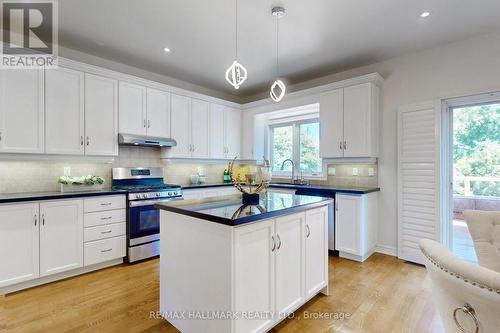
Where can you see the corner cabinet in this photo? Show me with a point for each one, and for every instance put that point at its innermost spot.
(349, 119)
(356, 225)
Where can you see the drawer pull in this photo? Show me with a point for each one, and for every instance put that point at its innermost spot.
(106, 204)
(106, 232)
(106, 218)
(102, 251)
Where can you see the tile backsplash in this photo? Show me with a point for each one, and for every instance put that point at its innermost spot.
(17, 176)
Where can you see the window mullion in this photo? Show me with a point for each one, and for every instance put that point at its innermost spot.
(296, 146)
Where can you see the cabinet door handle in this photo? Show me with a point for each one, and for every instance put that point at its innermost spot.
(106, 218)
(106, 232)
(279, 241)
(193, 147)
(81, 140)
(88, 140)
(308, 231)
(149, 123)
(36, 219)
(144, 123)
(106, 204)
(341, 147)
(43, 219)
(107, 250)
(274, 244)
(345, 145)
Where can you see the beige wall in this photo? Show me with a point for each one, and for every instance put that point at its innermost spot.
(457, 69)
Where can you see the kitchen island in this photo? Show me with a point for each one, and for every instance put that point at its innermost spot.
(225, 267)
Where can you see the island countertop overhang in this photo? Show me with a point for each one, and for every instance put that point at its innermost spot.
(230, 211)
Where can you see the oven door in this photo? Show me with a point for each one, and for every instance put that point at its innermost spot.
(144, 221)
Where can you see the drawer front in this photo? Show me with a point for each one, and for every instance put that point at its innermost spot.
(104, 250)
(103, 218)
(104, 231)
(98, 204)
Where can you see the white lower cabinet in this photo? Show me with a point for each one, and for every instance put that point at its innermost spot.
(19, 251)
(104, 250)
(61, 236)
(279, 265)
(290, 247)
(356, 225)
(316, 256)
(39, 240)
(254, 274)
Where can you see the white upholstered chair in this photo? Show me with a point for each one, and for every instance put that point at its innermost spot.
(467, 296)
(484, 228)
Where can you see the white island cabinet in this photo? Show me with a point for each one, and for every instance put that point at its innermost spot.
(242, 277)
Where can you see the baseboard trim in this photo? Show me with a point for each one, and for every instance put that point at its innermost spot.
(59, 276)
(389, 250)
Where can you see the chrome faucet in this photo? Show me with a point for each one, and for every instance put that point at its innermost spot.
(293, 168)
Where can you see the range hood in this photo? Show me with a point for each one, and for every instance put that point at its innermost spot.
(145, 141)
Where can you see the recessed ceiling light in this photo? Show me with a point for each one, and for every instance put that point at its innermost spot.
(425, 14)
(166, 49)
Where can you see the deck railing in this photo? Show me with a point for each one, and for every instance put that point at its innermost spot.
(468, 179)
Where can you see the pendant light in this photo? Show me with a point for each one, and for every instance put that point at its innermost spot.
(278, 88)
(236, 74)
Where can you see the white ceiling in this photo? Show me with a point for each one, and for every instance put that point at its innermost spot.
(317, 37)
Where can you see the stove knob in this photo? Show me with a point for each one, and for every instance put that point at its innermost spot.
(144, 196)
(157, 194)
(169, 193)
(137, 196)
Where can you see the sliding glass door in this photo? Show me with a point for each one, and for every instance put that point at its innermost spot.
(473, 159)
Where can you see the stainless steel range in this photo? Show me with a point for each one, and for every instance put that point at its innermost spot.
(145, 188)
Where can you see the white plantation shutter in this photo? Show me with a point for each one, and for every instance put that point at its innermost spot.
(418, 178)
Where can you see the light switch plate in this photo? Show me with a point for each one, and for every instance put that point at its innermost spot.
(355, 171)
(371, 172)
(67, 171)
(331, 171)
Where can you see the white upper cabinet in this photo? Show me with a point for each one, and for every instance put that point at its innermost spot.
(64, 111)
(101, 115)
(61, 236)
(217, 131)
(349, 121)
(361, 121)
(21, 111)
(158, 113)
(332, 124)
(132, 106)
(180, 125)
(199, 129)
(233, 133)
(225, 132)
(19, 251)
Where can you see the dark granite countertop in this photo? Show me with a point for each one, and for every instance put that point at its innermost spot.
(304, 188)
(229, 210)
(195, 186)
(38, 196)
(327, 188)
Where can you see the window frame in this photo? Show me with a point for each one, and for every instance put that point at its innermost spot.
(295, 122)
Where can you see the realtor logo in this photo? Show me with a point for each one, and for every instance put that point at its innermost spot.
(29, 34)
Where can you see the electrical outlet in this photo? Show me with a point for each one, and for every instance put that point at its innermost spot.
(331, 171)
(355, 171)
(67, 171)
(371, 172)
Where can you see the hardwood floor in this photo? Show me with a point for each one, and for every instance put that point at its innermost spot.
(383, 294)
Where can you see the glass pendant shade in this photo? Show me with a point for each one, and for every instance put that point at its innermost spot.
(236, 74)
(278, 90)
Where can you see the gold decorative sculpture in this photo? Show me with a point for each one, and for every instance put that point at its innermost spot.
(248, 186)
